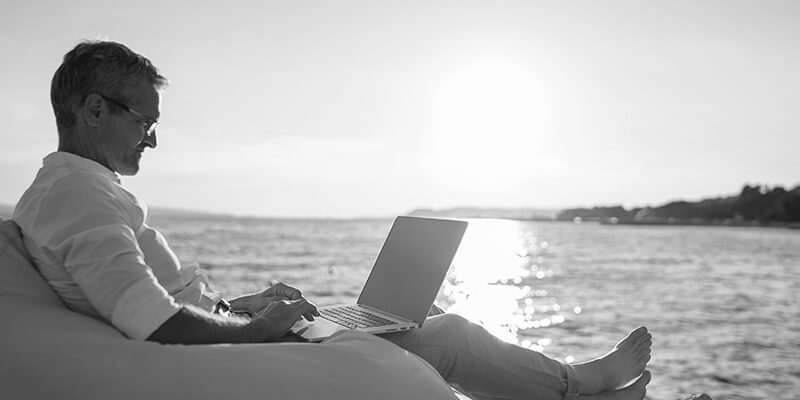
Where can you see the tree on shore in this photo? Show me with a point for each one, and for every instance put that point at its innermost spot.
(756, 204)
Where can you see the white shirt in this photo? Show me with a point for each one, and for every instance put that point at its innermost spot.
(89, 239)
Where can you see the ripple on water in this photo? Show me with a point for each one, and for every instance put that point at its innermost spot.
(723, 304)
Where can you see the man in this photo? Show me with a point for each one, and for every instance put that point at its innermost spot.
(89, 239)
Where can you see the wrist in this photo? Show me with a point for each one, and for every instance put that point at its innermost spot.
(242, 304)
(251, 332)
(260, 330)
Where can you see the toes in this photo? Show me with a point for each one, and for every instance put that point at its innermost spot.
(646, 376)
(643, 380)
(647, 337)
(638, 332)
(634, 336)
(644, 359)
(643, 343)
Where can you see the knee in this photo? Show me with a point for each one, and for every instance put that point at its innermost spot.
(454, 322)
(458, 330)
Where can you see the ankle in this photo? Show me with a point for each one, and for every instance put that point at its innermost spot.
(591, 378)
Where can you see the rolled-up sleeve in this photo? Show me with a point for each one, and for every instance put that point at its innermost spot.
(143, 308)
(107, 265)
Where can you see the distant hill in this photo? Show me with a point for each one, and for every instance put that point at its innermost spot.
(755, 205)
(6, 210)
(503, 213)
(163, 212)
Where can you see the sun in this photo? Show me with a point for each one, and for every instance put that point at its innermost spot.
(490, 120)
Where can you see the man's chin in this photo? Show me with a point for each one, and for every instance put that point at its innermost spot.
(129, 170)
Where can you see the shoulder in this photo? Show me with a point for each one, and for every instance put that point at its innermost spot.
(80, 199)
(85, 191)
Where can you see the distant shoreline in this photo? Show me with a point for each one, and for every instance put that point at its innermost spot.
(732, 224)
(719, 224)
(591, 216)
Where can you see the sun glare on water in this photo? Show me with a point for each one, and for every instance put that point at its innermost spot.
(487, 282)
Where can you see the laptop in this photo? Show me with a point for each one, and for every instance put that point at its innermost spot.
(403, 284)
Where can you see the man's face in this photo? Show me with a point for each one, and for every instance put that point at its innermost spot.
(124, 138)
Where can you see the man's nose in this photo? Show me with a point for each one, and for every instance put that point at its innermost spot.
(150, 140)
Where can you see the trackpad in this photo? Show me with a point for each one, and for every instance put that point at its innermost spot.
(316, 330)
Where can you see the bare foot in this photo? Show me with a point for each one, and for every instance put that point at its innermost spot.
(635, 391)
(622, 364)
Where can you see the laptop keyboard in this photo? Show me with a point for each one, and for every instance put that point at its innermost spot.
(354, 317)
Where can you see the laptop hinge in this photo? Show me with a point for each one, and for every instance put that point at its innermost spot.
(399, 318)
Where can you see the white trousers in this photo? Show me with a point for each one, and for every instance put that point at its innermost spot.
(483, 366)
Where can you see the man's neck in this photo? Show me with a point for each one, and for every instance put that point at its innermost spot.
(84, 150)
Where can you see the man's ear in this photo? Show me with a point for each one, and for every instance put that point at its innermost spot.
(94, 110)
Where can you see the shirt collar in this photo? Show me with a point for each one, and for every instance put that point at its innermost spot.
(69, 160)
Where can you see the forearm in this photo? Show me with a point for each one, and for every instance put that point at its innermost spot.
(246, 303)
(192, 325)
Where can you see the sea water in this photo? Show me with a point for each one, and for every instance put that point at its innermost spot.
(722, 303)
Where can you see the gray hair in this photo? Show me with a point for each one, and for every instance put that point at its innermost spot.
(107, 68)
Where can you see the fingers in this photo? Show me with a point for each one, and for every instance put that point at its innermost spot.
(305, 308)
(286, 302)
(270, 306)
(278, 317)
(284, 290)
(301, 308)
(313, 312)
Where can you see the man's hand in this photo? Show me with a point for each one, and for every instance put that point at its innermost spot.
(255, 303)
(281, 289)
(277, 318)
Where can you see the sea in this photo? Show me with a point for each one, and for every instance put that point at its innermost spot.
(722, 303)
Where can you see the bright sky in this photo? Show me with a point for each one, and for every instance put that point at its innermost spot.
(368, 108)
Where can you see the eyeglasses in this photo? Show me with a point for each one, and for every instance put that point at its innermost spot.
(147, 124)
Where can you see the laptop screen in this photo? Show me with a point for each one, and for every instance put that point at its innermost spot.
(412, 265)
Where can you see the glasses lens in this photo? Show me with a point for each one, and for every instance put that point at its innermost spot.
(152, 128)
